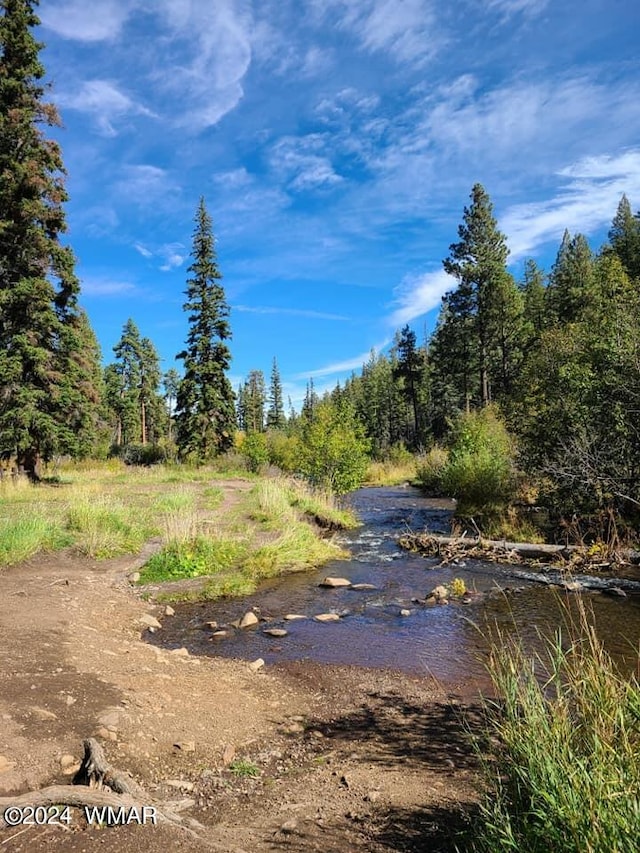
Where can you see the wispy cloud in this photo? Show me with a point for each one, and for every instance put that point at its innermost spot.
(294, 312)
(344, 366)
(104, 286)
(417, 295)
(206, 58)
(509, 8)
(586, 203)
(97, 20)
(146, 185)
(407, 30)
(103, 100)
(302, 163)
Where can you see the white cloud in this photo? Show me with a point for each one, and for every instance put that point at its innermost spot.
(106, 287)
(515, 7)
(294, 312)
(302, 164)
(206, 58)
(405, 29)
(420, 294)
(343, 366)
(146, 253)
(588, 202)
(105, 101)
(145, 185)
(97, 20)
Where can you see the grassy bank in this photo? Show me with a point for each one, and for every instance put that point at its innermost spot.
(266, 534)
(109, 509)
(565, 774)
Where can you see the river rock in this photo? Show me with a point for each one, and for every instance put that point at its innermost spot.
(405, 612)
(293, 617)
(333, 583)
(439, 594)
(213, 626)
(248, 620)
(276, 632)
(149, 620)
(362, 587)
(327, 617)
(256, 665)
(219, 635)
(169, 611)
(615, 591)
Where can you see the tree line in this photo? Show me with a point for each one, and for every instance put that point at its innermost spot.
(555, 356)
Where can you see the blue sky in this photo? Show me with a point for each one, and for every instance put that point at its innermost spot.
(336, 143)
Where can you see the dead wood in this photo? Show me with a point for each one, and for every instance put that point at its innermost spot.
(97, 784)
(450, 548)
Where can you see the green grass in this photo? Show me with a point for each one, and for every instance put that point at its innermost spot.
(244, 769)
(390, 472)
(566, 773)
(22, 537)
(295, 550)
(104, 527)
(278, 500)
(192, 559)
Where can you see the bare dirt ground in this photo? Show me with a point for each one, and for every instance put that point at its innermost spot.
(348, 759)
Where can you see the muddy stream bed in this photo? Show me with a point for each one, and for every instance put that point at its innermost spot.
(442, 641)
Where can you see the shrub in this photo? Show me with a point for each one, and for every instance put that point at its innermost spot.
(430, 469)
(479, 471)
(200, 556)
(334, 449)
(284, 450)
(254, 449)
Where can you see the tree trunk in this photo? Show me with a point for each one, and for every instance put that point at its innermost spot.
(30, 462)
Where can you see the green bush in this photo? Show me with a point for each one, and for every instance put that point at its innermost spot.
(565, 775)
(284, 451)
(333, 454)
(480, 471)
(430, 469)
(254, 449)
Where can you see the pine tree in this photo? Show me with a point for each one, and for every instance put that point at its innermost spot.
(275, 415)
(571, 282)
(624, 237)
(171, 383)
(205, 415)
(126, 393)
(254, 398)
(478, 261)
(48, 392)
(410, 369)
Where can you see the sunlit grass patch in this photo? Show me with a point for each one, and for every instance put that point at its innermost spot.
(295, 550)
(191, 559)
(390, 473)
(104, 527)
(22, 537)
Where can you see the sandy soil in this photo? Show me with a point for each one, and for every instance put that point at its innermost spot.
(348, 759)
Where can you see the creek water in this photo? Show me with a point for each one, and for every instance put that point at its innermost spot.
(447, 642)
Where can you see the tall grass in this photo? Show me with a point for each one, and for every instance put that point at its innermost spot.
(566, 776)
(105, 527)
(295, 550)
(22, 537)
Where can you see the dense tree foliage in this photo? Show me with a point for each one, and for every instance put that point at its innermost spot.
(205, 408)
(49, 381)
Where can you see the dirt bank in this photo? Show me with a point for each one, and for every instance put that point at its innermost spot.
(300, 756)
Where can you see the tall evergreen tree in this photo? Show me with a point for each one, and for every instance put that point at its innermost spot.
(205, 415)
(624, 237)
(478, 262)
(275, 415)
(125, 393)
(410, 368)
(47, 385)
(571, 283)
(254, 398)
(171, 383)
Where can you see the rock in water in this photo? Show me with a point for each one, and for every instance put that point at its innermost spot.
(333, 583)
(248, 620)
(276, 632)
(327, 617)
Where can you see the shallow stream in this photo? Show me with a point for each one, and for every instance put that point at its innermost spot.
(446, 641)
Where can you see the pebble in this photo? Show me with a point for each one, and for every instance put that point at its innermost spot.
(327, 617)
(276, 632)
(149, 620)
(248, 620)
(256, 665)
(292, 617)
(169, 611)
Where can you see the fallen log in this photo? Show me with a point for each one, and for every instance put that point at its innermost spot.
(451, 547)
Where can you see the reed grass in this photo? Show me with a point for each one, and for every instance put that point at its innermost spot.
(566, 774)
